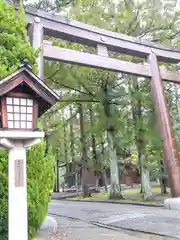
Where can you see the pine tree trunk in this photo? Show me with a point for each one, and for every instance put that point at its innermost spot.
(72, 149)
(163, 186)
(85, 187)
(71, 136)
(97, 184)
(105, 181)
(76, 184)
(55, 182)
(65, 145)
(115, 192)
(163, 179)
(104, 176)
(146, 185)
(145, 182)
(84, 157)
(177, 90)
(140, 161)
(66, 153)
(137, 117)
(93, 140)
(57, 176)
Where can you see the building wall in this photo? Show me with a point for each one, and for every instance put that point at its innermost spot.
(130, 176)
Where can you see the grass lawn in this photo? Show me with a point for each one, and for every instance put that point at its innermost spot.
(130, 195)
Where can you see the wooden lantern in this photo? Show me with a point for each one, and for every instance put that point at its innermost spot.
(24, 97)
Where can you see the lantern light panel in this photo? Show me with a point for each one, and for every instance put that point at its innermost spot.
(19, 113)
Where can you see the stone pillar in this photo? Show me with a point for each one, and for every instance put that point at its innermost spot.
(17, 191)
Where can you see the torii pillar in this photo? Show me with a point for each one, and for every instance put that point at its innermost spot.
(166, 127)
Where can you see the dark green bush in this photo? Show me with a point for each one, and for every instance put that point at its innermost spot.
(3, 193)
(14, 45)
(40, 181)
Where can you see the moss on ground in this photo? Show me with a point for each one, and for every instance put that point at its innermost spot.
(130, 195)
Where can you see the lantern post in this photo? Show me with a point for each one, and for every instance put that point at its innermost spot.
(24, 97)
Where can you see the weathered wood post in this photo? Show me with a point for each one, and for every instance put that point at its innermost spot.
(36, 36)
(166, 128)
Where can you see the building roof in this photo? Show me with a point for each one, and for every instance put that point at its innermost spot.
(24, 76)
(34, 78)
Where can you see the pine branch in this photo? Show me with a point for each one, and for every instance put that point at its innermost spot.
(168, 37)
(65, 124)
(69, 87)
(74, 89)
(52, 75)
(79, 100)
(90, 93)
(151, 30)
(130, 30)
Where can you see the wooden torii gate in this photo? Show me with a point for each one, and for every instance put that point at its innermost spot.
(40, 23)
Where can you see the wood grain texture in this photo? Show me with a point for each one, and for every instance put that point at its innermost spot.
(75, 31)
(166, 126)
(4, 113)
(95, 61)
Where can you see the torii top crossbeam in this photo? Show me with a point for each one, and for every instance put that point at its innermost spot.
(103, 41)
(75, 31)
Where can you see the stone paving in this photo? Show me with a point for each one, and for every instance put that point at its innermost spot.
(153, 220)
(79, 230)
(154, 224)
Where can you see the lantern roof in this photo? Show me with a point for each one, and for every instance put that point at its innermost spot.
(25, 80)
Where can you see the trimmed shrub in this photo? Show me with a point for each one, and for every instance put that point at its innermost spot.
(3, 194)
(40, 181)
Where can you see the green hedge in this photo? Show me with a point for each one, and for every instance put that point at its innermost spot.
(3, 194)
(40, 181)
